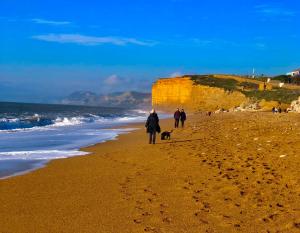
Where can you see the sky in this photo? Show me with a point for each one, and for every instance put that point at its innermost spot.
(49, 49)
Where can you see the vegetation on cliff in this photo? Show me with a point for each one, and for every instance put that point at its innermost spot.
(211, 81)
(281, 95)
(249, 87)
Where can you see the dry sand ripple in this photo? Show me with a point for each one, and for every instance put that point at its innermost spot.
(226, 173)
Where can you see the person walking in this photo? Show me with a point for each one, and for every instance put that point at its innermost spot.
(152, 126)
(182, 117)
(177, 117)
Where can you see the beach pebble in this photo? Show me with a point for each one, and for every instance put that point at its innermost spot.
(255, 139)
(282, 156)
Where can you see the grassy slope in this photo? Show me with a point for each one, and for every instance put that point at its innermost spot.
(248, 87)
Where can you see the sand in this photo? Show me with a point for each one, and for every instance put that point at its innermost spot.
(232, 172)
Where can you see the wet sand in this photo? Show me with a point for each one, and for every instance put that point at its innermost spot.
(232, 172)
(14, 167)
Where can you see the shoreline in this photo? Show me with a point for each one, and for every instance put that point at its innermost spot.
(219, 174)
(22, 167)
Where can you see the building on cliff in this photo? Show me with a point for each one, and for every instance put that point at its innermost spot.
(294, 73)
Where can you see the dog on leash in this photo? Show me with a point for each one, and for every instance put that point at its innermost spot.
(166, 135)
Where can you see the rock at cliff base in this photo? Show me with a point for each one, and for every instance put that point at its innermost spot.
(295, 106)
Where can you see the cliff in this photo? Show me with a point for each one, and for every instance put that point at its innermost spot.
(183, 92)
(212, 92)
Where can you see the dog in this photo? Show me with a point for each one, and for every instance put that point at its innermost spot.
(166, 135)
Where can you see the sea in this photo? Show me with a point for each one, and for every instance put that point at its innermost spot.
(33, 134)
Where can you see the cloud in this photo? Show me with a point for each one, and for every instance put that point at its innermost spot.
(201, 42)
(272, 11)
(214, 43)
(176, 74)
(50, 22)
(112, 80)
(115, 83)
(260, 45)
(90, 40)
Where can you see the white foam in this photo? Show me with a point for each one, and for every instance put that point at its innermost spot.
(9, 120)
(73, 121)
(66, 121)
(40, 154)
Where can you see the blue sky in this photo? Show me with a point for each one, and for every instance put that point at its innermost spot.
(49, 49)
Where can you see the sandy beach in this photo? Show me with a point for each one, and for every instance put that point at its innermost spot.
(231, 172)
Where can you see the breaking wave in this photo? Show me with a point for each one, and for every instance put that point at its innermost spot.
(38, 123)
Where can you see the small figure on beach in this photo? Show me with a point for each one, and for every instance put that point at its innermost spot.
(182, 117)
(277, 110)
(274, 110)
(152, 126)
(166, 135)
(177, 117)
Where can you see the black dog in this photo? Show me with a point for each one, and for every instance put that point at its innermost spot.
(166, 135)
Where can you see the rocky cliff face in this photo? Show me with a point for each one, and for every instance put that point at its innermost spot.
(182, 92)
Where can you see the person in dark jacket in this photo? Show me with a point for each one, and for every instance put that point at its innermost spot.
(177, 117)
(182, 117)
(152, 126)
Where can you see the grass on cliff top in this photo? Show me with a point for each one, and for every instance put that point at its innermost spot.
(209, 80)
(281, 95)
(248, 89)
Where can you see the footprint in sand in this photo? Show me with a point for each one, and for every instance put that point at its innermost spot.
(167, 220)
(150, 229)
(297, 225)
(197, 199)
(145, 214)
(137, 221)
(201, 217)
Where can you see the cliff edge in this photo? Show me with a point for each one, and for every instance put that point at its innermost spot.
(213, 92)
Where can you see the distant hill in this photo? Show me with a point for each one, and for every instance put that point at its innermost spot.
(130, 99)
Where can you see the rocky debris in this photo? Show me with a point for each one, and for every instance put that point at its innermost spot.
(246, 107)
(295, 106)
(221, 110)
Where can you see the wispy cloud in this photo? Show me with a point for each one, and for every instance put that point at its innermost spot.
(112, 80)
(260, 45)
(257, 43)
(201, 42)
(271, 10)
(50, 22)
(176, 74)
(213, 43)
(91, 40)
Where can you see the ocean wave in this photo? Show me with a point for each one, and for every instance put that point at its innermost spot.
(65, 121)
(37, 123)
(40, 154)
